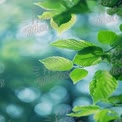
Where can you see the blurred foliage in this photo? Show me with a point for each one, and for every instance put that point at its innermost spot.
(28, 91)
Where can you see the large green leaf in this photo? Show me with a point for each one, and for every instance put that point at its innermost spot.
(102, 85)
(105, 115)
(57, 63)
(78, 74)
(80, 111)
(88, 56)
(107, 37)
(72, 44)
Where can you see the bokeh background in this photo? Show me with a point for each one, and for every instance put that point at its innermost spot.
(28, 91)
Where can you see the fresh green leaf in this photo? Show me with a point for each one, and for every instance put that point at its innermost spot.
(57, 63)
(78, 74)
(107, 37)
(72, 44)
(80, 111)
(106, 115)
(64, 26)
(62, 12)
(51, 5)
(88, 56)
(62, 18)
(48, 15)
(102, 85)
(80, 7)
(115, 99)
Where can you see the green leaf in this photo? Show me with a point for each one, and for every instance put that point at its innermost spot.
(106, 115)
(57, 63)
(78, 74)
(88, 56)
(115, 99)
(64, 26)
(80, 7)
(51, 5)
(72, 44)
(102, 85)
(62, 18)
(120, 77)
(48, 15)
(107, 37)
(62, 13)
(80, 111)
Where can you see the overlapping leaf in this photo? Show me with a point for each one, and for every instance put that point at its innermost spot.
(88, 56)
(102, 85)
(72, 44)
(80, 111)
(115, 99)
(62, 12)
(63, 27)
(105, 115)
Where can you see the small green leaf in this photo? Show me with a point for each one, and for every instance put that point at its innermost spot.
(57, 63)
(106, 115)
(62, 18)
(64, 26)
(80, 111)
(72, 44)
(88, 56)
(78, 74)
(102, 85)
(107, 37)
